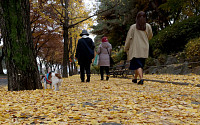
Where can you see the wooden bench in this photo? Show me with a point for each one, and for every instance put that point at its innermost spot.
(121, 69)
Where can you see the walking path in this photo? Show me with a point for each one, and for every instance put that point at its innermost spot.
(3, 80)
(113, 102)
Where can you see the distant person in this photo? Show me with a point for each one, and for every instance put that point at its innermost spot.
(85, 54)
(137, 45)
(104, 52)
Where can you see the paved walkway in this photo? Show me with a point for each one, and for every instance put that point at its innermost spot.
(3, 80)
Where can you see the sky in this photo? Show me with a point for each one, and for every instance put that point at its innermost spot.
(90, 4)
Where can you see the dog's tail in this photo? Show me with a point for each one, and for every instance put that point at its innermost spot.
(58, 75)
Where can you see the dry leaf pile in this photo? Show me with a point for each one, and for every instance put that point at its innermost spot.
(99, 102)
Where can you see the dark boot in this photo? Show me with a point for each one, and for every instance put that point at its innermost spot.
(88, 78)
(141, 82)
(102, 77)
(134, 80)
(107, 77)
(82, 76)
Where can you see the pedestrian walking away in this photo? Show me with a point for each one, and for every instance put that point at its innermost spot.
(137, 45)
(104, 52)
(85, 54)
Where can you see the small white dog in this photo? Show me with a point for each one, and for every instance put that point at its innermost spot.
(54, 79)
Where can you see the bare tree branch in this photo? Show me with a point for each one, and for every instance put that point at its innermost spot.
(35, 19)
(58, 13)
(72, 25)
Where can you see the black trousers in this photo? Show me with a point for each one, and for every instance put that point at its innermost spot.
(102, 68)
(85, 68)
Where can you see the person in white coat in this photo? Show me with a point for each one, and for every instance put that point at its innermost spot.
(137, 45)
(104, 51)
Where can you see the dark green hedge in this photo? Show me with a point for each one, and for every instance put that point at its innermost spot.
(173, 39)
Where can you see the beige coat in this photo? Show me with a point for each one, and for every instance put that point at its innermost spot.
(137, 42)
(103, 51)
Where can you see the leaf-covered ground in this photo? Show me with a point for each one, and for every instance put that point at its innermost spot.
(117, 101)
(190, 78)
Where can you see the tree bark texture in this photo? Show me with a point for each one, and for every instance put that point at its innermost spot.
(70, 51)
(21, 62)
(1, 62)
(65, 36)
(66, 53)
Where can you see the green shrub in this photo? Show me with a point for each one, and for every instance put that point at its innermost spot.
(150, 62)
(192, 49)
(118, 56)
(162, 58)
(181, 56)
(156, 53)
(173, 39)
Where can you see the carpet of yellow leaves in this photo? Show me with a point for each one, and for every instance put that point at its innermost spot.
(190, 78)
(100, 102)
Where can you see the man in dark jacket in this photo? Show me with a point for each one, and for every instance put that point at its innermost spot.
(85, 54)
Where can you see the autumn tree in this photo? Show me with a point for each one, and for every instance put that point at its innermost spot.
(18, 46)
(179, 10)
(46, 36)
(52, 52)
(74, 32)
(64, 16)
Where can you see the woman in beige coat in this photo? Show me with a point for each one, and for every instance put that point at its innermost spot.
(137, 45)
(104, 52)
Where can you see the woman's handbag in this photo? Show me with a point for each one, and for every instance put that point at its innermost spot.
(111, 61)
(96, 60)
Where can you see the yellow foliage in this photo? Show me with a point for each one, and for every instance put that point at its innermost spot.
(76, 11)
(97, 102)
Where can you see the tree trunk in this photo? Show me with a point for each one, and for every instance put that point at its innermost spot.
(40, 66)
(18, 44)
(47, 67)
(70, 62)
(75, 68)
(65, 36)
(66, 53)
(1, 62)
(1, 67)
